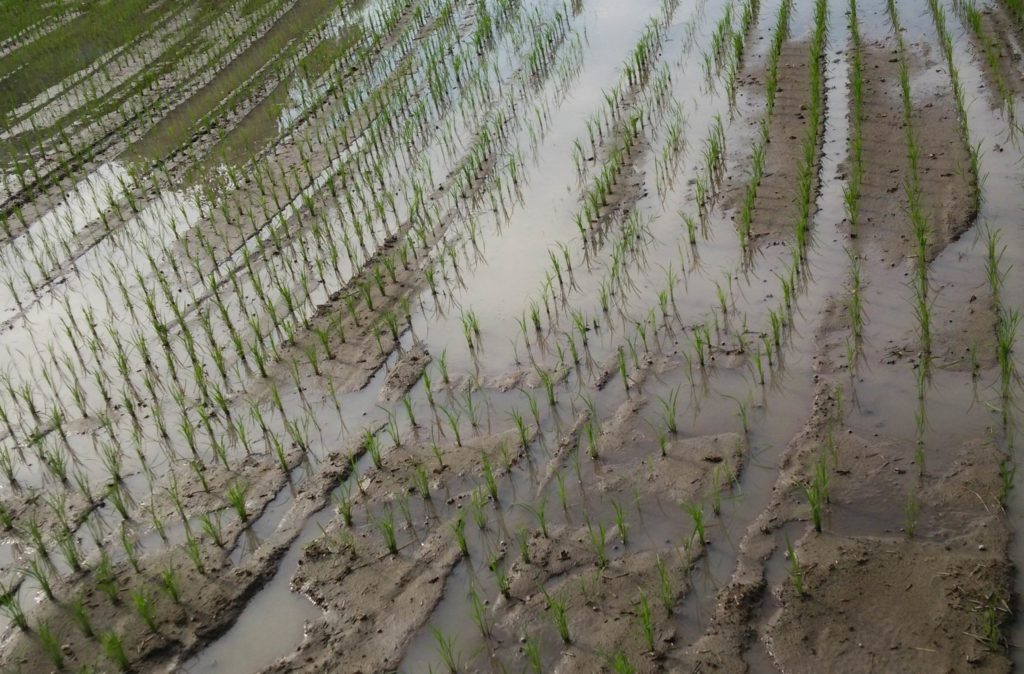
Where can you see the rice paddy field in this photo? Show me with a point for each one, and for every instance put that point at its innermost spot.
(511, 335)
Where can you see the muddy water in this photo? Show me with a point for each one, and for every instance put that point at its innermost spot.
(516, 246)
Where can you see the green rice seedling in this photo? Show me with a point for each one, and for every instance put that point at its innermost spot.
(620, 522)
(51, 644)
(521, 428)
(696, 513)
(385, 524)
(10, 606)
(236, 494)
(453, 423)
(795, 571)
(1007, 323)
(533, 658)
(559, 615)
(479, 613)
(590, 431)
(170, 583)
(548, 382)
(343, 503)
(743, 412)
(478, 508)
(113, 649)
(716, 490)
(80, 614)
(669, 407)
(911, 510)
(643, 612)
(106, 581)
(438, 454)
(666, 591)
(817, 496)
(39, 572)
(371, 443)
(130, 551)
(69, 549)
(991, 628)
(421, 481)
(523, 541)
(488, 475)
(620, 664)
(146, 608)
(407, 404)
(195, 554)
(459, 531)
(540, 512)
(212, 527)
(442, 366)
(501, 578)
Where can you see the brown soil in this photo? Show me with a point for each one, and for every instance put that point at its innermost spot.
(775, 207)
(405, 373)
(927, 606)
(1001, 30)
(945, 187)
(377, 602)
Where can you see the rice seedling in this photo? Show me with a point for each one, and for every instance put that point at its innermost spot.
(598, 538)
(385, 525)
(643, 612)
(459, 531)
(501, 577)
(236, 495)
(669, 407)
(11, 606)
(696, 513)
(171, 584)
(447, 650)
(146, 608)
(559, 615)
(51, 644)
(113, 649)
(911, 510)
(479, 613)
(533, 657)
(796, 572)
(620, 664)
(620, 522)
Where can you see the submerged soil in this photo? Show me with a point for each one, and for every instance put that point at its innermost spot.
(523, 420)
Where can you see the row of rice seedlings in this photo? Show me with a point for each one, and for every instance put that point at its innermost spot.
(815, 122)
(1007, 323)
(638, 71)
(919, 221)
(972, 17)
(668, 160)
(851, 191)
(974, 149)
(748, 16)
(759, 152)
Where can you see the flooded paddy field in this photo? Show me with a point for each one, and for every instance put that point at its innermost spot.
(511, 335)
